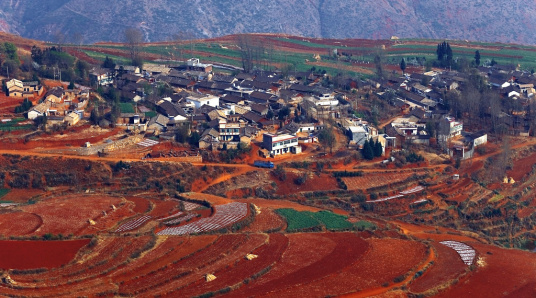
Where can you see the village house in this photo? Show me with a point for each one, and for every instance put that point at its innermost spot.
(39, 110)
(280, 144)
(16, 88)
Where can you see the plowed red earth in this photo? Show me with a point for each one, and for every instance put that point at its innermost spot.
(266, 221)
(315, 183)
(507, 273)
(18, 195)
(309, 257)
(522, 167)
(19, 223)
(384, 260)
(38, 254)
(447, 266)
(69, 214)
(276, 204)
(141, 205)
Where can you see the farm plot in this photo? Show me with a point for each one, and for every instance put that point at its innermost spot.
(19, 223)
(309, 257)
(266, 221)
(466, 252)
(69, 214)
(225, 215)
(383, 261)
(305, 220)
(447, 266)
(189, 206)
(38, 254)
(133, 224)
(268, 255)
(180, 220)
(372, 181)
(402, 194)
(179, 213)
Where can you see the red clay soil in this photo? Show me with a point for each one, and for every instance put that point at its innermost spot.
(18, 195)
(170, 275)
(447, 266)
(19, 223)
(164, 208)
(110, 220)
(276, 204)
(508, 272)
(195, 283)
(177, 248)
(211, 199)
(309, 257)
(268, 254)
(384, 260)
(38, 254)
(69, 214)
(141, 205)
(369, 181)
(522, 167)
(315, 183)
(266, 221)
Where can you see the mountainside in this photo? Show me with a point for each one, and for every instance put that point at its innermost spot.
(509, 21)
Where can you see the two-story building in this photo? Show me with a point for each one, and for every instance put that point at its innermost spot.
(280, 144)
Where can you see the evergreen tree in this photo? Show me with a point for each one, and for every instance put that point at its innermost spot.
(378, 150)
(477, 58)
(448, 52)
(108, 63)
(403, 65)
(368, 152)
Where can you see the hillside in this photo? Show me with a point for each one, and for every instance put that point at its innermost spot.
(506, 21)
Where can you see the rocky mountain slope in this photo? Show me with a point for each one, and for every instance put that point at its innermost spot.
(97, 20)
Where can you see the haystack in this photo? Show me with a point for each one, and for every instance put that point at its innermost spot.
(91, 222)
(250, 257)
(113, 207)
(505, 180)
(210, 277)
(257, 209)
(511, 181)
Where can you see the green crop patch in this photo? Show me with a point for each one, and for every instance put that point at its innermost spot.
(306, 220)
(3, 192)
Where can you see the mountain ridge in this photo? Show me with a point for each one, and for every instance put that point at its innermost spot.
(510, 21)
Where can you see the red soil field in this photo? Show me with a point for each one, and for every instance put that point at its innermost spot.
(315, 183)
(19, 223)
(268, 254)
(522, 167)
(69, 214)
(164, 208)
(38, 254)
(18, 195)
(384, 260)
(276, 204)
(265, 221)
(507, 272)
(447, 266)
(110, 220)
(369, 181)
(195, 282)
(212, 199)
(172, 274)
(141, 205)
(309, 257)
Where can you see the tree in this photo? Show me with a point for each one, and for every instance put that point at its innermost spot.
(71, 85)
(379, 66)
(403, 65)
(283, 113)
(368, 152)
(108, 63)
(270, 114)
(378, 149)
(477, 58)
(327, 138)
(133, 38)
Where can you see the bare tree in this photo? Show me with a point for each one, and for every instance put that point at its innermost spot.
(246, 52)
(133, 38)
(77, 39)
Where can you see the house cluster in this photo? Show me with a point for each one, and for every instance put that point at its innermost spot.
(19, 89)
(61, 106)
(226, 110)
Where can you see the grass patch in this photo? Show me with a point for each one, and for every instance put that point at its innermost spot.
(496, 198)
(3, 192)
(126, 107)
(364, 225)
(297, 220)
